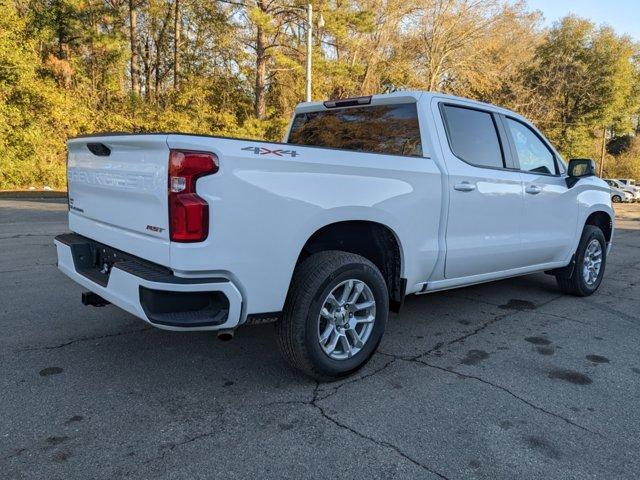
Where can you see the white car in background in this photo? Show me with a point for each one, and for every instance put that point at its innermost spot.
(630, 183)
(620, 196)
(631, 190)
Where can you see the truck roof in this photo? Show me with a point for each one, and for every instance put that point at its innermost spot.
(403, 96)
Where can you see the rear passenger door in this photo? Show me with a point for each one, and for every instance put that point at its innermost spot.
(550, 207)
(485, 193)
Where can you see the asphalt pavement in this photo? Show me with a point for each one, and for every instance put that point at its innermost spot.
(500, 381)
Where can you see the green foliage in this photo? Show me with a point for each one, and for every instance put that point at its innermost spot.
(35, 115)
(627, 163)
(583, 78)
(237, 68)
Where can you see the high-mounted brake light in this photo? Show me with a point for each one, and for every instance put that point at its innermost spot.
(348, 102)
(188, 213)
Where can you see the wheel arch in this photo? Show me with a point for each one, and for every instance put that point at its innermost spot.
(603, 220)
(373, 240)
(601, 217)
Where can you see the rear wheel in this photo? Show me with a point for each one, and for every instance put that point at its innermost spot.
(616, 199)
(334, 316)
(590, 261)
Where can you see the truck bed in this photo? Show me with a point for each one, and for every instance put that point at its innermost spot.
(264, 201)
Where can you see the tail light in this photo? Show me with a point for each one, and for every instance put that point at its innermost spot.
(188, 213)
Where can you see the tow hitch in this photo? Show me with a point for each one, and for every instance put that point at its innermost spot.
(93, 299)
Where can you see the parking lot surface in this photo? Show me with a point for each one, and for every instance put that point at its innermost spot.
(504, 380)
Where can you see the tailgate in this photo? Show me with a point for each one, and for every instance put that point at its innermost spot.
(118, 192)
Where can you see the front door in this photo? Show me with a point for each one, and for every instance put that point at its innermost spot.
(550, 207)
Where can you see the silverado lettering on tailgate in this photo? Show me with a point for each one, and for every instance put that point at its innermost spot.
(123, 180)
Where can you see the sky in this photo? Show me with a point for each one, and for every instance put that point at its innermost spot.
(622, 15)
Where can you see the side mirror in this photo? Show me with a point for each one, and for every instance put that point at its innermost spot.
(580, 168)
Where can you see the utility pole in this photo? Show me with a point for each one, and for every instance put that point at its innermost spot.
(133, 41)
(603, 150)
(176, 46)
(309, 49)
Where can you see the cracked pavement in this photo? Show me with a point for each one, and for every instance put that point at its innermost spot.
(498, 381)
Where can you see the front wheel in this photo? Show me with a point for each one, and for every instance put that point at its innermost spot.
(334, 316)
(590, 261)
(616, 199)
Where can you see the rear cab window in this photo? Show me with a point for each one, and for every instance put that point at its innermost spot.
(385, 129)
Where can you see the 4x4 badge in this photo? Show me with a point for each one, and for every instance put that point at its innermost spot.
(267, 151)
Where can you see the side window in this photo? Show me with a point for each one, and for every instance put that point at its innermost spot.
(533, 154)
(473, 136)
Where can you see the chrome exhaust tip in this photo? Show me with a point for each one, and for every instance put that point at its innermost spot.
(225, 335)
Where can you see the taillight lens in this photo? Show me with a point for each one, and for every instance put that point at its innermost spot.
(188, 213)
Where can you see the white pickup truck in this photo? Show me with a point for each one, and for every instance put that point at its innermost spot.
(370, 199)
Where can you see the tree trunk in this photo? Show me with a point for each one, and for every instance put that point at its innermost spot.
(261, 73)
(147, 70)
(156, 70)
(135, 67)
(176, 46)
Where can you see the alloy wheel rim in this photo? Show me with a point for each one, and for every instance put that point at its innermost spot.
(346, 319)
(592, 262)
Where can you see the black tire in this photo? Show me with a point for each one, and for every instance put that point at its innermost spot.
(297, 331)
(574, 283)
(616, 199)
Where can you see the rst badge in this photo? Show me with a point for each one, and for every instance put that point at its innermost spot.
(267, 151)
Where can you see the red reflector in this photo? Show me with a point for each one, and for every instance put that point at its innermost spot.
(188, 213)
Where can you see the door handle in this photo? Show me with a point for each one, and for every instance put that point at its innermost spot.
(464, 187)
(533, 189)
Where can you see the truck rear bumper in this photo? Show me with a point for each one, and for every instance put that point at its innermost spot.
(150, 292)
